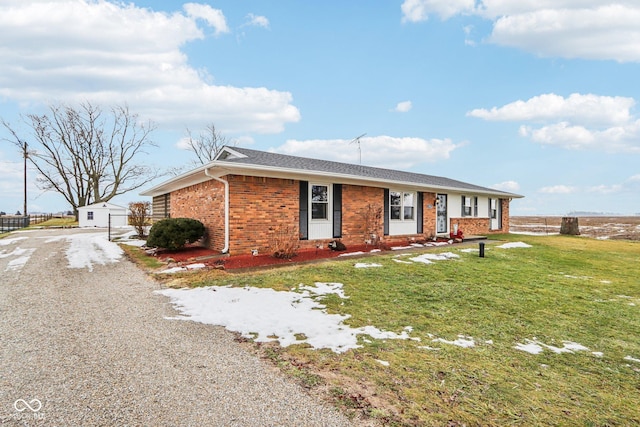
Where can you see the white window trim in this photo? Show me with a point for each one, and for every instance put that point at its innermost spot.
(329, 201)
(402, 193)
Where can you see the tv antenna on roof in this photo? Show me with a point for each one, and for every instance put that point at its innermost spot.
(357, 140)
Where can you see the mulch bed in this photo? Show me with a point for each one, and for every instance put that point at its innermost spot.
(213, 259)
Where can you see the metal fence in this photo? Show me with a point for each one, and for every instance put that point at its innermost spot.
(10, 223)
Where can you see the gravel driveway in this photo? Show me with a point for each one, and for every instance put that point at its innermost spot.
(91, 346)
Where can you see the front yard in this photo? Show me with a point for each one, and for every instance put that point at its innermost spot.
(540, 333)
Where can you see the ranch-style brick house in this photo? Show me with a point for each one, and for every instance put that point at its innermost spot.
(246, 197)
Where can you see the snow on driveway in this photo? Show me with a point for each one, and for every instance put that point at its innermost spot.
(21, 255)
(87, 249)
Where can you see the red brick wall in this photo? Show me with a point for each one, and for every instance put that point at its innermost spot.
(471, 226)
(355, 201)
(505, 216)
(482, 226)
(429, 214)
(204, 202)
(262, 207)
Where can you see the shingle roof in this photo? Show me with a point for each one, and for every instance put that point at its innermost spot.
(275, 160)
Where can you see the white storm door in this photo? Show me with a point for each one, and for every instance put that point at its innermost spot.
(320, 212)
(496, 215)
(441, 214)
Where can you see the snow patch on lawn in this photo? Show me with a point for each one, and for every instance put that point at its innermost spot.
(514, 245)
(183, 268)
(429, 258)
(352, 253)
(268, 315)
(367, 265)
(321, 289)
(536, 347)
(462, 341)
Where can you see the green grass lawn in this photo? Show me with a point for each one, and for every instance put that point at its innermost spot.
(561, 289)
(58, 222)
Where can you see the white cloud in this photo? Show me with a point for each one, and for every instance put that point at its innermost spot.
(77, 50)
(591, 29)
(381, 151)
(403, 107)
(257, 21)
(558, 189)
(419, 10)
(630, 185)
(618, 139)
(604, 32)
(579, 121)
(509, 186)
(579, 108)
(214, 17)
(606, 189)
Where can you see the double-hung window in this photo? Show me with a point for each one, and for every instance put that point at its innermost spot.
(90, 215)
(466, 206)
(401, 205)
(319, 202)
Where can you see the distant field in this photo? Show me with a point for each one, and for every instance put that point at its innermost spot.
(599, 227)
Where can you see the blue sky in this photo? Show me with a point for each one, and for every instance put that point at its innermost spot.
(536, 97)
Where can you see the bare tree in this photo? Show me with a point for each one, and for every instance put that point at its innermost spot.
(86, 155)
(140, 216)
(207, 144)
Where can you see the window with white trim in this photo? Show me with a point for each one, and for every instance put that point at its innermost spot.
(466, 206)
(493, 208)
(319, 202)
(401, 206)
(90, 215)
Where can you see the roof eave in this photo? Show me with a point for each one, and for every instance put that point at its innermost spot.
(221, 168)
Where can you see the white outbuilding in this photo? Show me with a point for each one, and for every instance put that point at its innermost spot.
(97, 215)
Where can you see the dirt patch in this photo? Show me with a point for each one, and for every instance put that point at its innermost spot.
(598, 227)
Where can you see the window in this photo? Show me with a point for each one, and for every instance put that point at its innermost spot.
(395, 204)
(319, 202)
(408, 205)
(90, 215)
(401, 205)
(493, 209)
(466, 206)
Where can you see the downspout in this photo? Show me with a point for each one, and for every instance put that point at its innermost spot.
(226, 209)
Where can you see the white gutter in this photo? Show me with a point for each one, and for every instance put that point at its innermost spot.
(226, 209)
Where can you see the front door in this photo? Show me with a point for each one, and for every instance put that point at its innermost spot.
(441, 214)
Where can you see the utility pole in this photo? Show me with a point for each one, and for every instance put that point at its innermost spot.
(26, 154)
